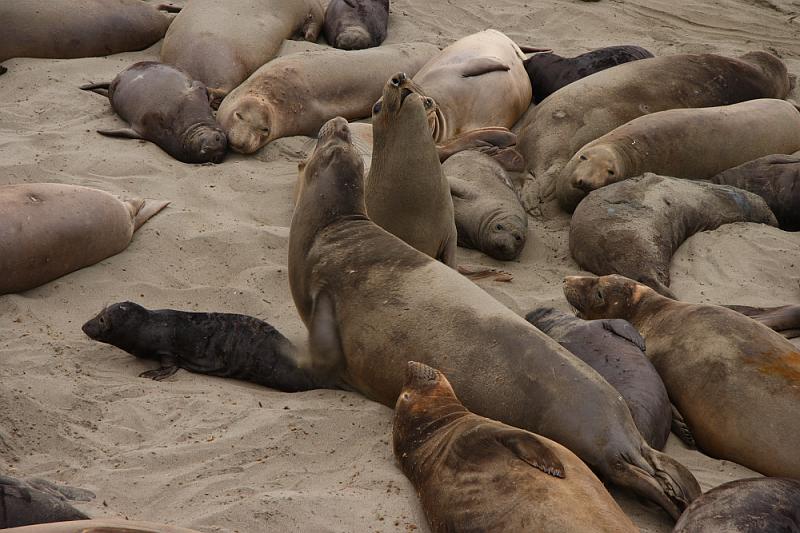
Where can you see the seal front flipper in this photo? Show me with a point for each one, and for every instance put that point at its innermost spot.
(169, 366)
(327, 356)
(126, 133)
(483, 65)
(99, 88)
(624, 329)
(681, 429)
(530, 449)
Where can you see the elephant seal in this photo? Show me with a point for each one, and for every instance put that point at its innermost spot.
(633, 227)
(488, 214)
(164, 106)
(48, 230)
(356, 24)
(222, 43)
(549, 72)
(693, 144)
(101, 525)
(372, 303)
(784, 319)
(522, 479)
(775, 178)
(551, 133)
(298, 93)
(38, 501)
(616, 351)
(406, 191)
(755, 505)
(735, 381)
(218, 344)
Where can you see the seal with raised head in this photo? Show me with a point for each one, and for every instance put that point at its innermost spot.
(616, 351)
(372, 303)
(736, 382)
(755, 505)
(298, 93)
(164, 106)
(38, 501)
(101, 525)
(356, 24)
(476, 474)
(51, 229)
(549, 72)
(488, 214)
(784, 319)
(551, 133)
(633, 227)
(693, 144)
(222, 43)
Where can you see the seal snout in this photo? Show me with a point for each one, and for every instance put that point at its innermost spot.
(214, 145)
(398, 79)
(335, 127)
(419, 373)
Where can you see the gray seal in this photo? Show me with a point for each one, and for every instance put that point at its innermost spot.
(356, 24)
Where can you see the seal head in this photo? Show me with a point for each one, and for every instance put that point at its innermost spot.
(118, 317)
(248, 121)
(611, 296)
(204, 143)
(504, 237)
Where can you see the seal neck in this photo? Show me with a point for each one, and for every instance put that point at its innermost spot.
(645, 314)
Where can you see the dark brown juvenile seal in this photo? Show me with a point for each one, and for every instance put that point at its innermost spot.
(372, 303)
(775, 178)
(356, 24)
(633, 227)
(549, 72)
(784, 319)
(102, 525)
(476, 474)
(164, 106)
(49, 229)
(757, 505)
(736, 382)
(38, 501)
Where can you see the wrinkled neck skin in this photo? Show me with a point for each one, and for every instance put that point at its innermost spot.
(437, 123)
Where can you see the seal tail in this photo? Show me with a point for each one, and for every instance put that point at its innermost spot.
(144, 210)
(99, 88)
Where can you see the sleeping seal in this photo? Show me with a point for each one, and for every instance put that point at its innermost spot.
(356, 24)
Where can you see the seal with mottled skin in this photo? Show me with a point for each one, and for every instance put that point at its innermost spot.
(38, 501)
(549, 72)
(736, 382)
(222, 43)
(218, 344)
(164, 106)
(756, 505)
(784, 319)
(633, 227)
(101, 525)
(775, 178)
(488, 214)
(356, 24)
(476, 474)
(50, 229)
(372, 303)
(693, 144)
(616, 351)
(551, 133)
(406, 191)
(298, 93)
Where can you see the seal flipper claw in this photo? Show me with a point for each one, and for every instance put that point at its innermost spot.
(681, 429)
(160, 374)
(530, 449)
(125, 133)
(483, 65)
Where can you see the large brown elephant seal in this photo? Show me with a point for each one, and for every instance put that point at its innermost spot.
(406, 191)
(736, 382)
(693, 144)
(476, 474)
(222, 43)
(488, 214)
(38, 501)
(756, 505)
(298, 93)
(356, 24)
(775, 178)
(633, 227)
(163, 105)
(372, 303)
(101, 525)
(551, 133)
(49, 229)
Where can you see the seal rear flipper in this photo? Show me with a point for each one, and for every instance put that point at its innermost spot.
(159, 374)
(681, 429)
(125, 133)
(99, 88)
(147, 209)
(483, 65)
(624, 329)
(533, 451)
(327, 356)
(475, 272)
(533, 50)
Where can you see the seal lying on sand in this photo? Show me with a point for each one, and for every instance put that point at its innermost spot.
(37, 502)
(102, 525)
(356, 24)
(734, 380)
(372, 303)
(49, 229)
(163, 105)
(633, 227)
(784, 319)
(692, 144)
(549, 72)
(754, 505)
(298, 93)
(476, 474)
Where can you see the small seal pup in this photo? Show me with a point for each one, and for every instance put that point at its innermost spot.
(166, 107)
(784, 319)
(48, 230)
(38, 501)
(356, 24)
(549, 72)
(372, 303)
(101, 525)
(633, 227)
(756, 505)
(734, 380)
(476, 474)
(693, 144)
(218, 344)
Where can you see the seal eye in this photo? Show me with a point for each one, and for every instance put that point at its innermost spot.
(499, 227)
(584, 158)
(102, 321)
(377, 107)
(265, 131)
(600, 295)
(610, 172)
(428, 103)
(406, 396)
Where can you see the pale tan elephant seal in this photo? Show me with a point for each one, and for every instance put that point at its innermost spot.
(296, 94)
(100, 525)
(222, 43)
(50, 229)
